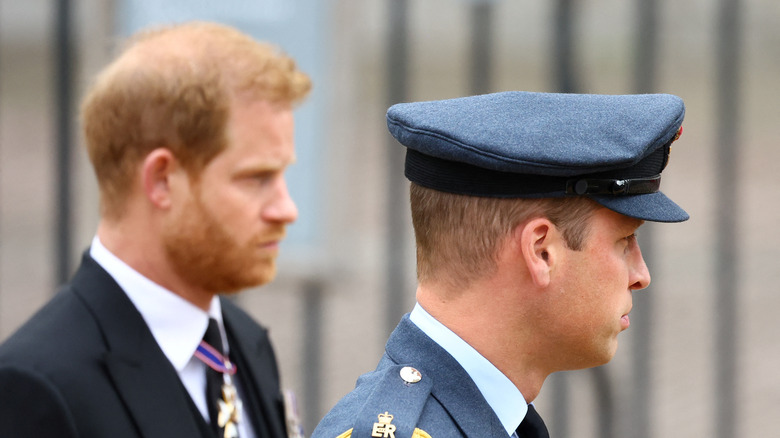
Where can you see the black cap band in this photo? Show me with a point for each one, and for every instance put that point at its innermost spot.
(614, 187)
(466, 179)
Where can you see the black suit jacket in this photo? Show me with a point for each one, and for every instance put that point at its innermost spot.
(87, 365)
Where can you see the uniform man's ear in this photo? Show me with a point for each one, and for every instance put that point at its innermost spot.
(156, 173)
(538, 245)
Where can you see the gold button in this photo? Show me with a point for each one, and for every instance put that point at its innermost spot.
(410, 375)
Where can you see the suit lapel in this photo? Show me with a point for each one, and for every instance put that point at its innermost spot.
(259, 372)
(452, 386)
(143, 376)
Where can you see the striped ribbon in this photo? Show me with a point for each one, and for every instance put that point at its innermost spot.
(214, 359)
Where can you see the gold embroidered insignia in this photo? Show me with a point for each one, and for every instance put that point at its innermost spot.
(383, 428)
(419, 433)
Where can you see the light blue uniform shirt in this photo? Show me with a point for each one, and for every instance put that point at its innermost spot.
(501, 394)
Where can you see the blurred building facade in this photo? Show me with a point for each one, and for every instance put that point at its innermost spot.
(347, 271)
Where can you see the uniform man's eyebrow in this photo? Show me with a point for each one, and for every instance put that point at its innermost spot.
(632, 225)
(635, 224)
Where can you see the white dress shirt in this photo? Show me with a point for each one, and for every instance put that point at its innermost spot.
(500, 393)
(177, 325)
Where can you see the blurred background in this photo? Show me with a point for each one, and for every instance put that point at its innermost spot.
(702, 356)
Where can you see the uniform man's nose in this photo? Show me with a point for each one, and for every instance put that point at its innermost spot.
(639, 277)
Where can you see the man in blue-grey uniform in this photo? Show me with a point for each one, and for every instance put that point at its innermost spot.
(525, 208)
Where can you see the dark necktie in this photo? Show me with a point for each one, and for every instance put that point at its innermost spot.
(532, 425)
(214, 379)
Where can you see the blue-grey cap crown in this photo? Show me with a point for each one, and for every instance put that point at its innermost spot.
(544, 135)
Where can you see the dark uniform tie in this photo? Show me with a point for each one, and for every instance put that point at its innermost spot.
(214, 379)
(532, 425)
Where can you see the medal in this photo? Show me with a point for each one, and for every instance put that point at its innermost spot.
(229, 406)
(294, 426)
(229, 409)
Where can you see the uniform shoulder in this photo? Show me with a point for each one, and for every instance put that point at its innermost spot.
(385, 403)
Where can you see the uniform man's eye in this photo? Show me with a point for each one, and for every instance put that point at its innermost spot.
(630, 239)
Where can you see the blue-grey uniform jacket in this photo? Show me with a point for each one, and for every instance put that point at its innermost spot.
(386, 402)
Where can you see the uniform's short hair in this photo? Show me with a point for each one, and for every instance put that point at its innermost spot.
(173, 87)
(458, 237)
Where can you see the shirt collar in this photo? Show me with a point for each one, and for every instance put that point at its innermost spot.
(499, 392)
(177, 325)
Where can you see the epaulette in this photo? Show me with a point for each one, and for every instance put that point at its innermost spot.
(394, 406)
